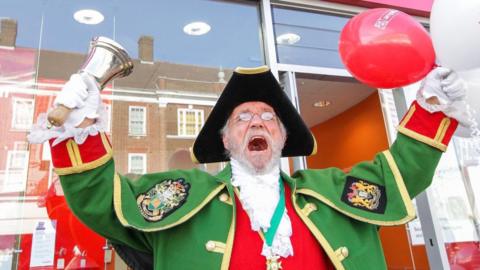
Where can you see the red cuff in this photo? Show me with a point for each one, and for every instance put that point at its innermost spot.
(434, 129)
(68, 157)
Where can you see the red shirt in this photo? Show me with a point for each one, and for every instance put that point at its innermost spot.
(247, 245)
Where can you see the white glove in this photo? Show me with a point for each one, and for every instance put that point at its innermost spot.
(450, 89)
(74, 92)
(81, 93)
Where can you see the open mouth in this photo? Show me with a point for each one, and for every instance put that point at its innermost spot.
(257, 144)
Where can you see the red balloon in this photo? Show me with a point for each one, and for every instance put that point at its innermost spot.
(386, 48)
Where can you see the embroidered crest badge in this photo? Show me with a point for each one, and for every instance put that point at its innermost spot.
(163, 199)
(364, 195)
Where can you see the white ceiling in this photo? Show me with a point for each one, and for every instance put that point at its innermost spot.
(342, 96)
(345, 94)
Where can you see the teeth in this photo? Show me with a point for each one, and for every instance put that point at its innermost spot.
(256, 137)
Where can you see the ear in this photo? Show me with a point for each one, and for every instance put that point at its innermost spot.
(225, 141)
(283, 131)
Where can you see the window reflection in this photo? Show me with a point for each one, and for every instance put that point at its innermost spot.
(153, 115)
(22, 112)
(308, 38)
(137, 163)
(190, 121)
(137, 121)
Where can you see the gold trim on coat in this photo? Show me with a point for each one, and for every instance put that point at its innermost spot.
(442, 130)
(229, 245)
(407, 117)
(400, 184)
(85, 166)
(117, 200)
(422, 138)
(75, 158)
(105, 142)
(309, 208)
(318, 235)
(439, 136)
(73, 153)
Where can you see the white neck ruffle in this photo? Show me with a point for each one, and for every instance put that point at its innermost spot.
(259, 195)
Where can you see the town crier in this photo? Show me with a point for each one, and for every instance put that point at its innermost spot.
(251, 215)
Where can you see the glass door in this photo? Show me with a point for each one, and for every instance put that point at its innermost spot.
(350, 125)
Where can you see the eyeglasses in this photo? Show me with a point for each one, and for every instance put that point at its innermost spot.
(248, 116)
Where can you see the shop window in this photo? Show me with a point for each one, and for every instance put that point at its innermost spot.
(22, 113)
(137, 121)
(190, 121)
(137, 163)
(168, 74)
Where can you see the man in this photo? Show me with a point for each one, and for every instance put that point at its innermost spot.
(251, 215)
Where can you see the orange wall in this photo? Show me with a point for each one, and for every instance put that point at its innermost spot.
(353, 136)
(397, 250)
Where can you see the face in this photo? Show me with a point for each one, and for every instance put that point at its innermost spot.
(254, 135)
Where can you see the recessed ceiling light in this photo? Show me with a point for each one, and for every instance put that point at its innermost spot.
(288, 38)
(321, 103)
(196, 28)
(88, 16)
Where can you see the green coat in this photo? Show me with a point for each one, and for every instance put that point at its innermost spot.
(199, 232)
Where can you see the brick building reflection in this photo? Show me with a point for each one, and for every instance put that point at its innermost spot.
(154, 116)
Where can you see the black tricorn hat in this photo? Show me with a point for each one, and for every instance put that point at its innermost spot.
(252, 84)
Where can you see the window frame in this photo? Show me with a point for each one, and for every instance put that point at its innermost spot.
(144, 118)
(144, 162)
(21, 171)
(182, 121)
(14, 124)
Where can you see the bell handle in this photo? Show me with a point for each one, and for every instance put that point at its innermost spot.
(58, 115)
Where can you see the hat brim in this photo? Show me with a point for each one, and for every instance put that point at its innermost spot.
(247, 85)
